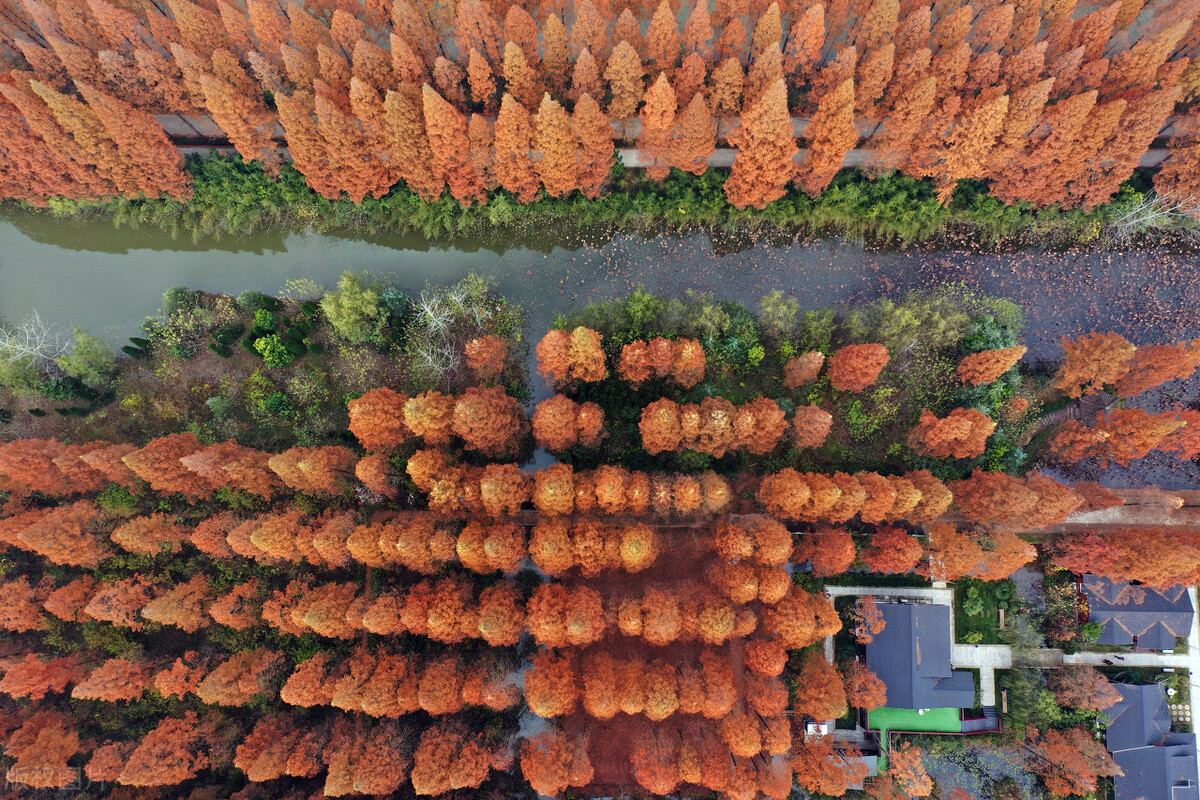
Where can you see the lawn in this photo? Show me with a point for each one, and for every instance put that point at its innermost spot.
(985, 598)
(935, 720)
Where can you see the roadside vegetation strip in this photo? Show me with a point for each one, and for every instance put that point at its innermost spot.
(231, 198)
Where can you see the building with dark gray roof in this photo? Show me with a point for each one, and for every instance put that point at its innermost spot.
(912, 658)
(1133, 614)
(1157, 764)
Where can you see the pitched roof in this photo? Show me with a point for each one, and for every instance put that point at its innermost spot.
(1141, 718)
(1167, 771)
(912, 658)
(1156, 763)
(1154, 616)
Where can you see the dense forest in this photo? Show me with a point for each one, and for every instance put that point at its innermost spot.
(400, 606)
(1050, 102)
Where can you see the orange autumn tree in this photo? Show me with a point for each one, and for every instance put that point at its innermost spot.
(575, 355)
(1154, 365)
(1084, 687)
(42, 745)
(1070, 761)
(1092, 362)
(377, 419)
(987, 366)
(658, 126)
(767, 150)
(857, 366)
(868, 619)
(820, 693)
(905, 768)
(892, 550)
(864, 689)
(831, 135)
(963, 433)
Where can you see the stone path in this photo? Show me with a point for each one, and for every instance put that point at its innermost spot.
(987, 658)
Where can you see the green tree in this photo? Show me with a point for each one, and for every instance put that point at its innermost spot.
(356, 311)
(91, 361)
(274, 351)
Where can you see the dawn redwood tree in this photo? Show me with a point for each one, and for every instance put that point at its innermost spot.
(447, 131)
(115, 680)
(803, 369)
(951, 553)
(819, 767)
(410, 150)
(1131, 433)
(1074, 441)
(864, 689)
(559, 148)
(176, 750)
(831, 135)
(766, 154)
(1069, 761)
(993, 497)
(1154, 365)
(596, 151)
(658, 126)
(1083, 687)
(868, 619)
(820, 693)
(987, 366)
(695, 136)
(141, 143)
(1092, 362)
(857, 366)
(698, 34)
(585, 77)
(662, 39)
(905, 768)
(514, 138)
(321, 470)
(625, 75)
(728, 82)
(551, 686)
(963, 433)
(42, 744)
(377, 419)
(830, 550)
(1157, 556)
(488, 420)
(892, 550)
(184, 606)
(551, 762)
(158, 464)
(34, 678)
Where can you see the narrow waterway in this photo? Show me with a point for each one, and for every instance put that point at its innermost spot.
(107, 280)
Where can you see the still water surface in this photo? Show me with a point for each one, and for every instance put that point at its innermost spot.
(107, 280)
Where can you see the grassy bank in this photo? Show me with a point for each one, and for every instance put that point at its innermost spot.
(234, 198)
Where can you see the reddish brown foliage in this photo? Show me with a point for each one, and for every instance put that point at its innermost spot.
(488, 420)
(987, 366)
(1070, 761)
(42, 746)
(892, 550)
(1092, 362)
(1084, 687)
(377, 419)
(34, 678)
(856, 366)
(115, 679)
(961, 434)
(864, 689)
